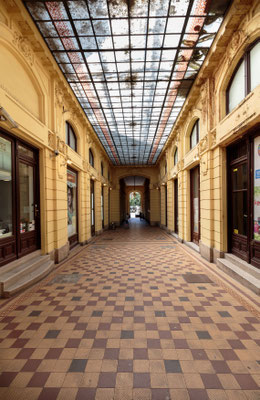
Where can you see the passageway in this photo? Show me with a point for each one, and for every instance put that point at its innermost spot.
(132, 316)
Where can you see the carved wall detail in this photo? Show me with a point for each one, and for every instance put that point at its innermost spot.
(204, 164)
(180, 165)
(236, 41)
(204, 90)
(213, 138)
(51, 140)
(59, 97)
(61, 146)
(203, 146)
(24, 46)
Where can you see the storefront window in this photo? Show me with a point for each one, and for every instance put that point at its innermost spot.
(72, 202)
(257, 188)
(27, 222)
(6, 214)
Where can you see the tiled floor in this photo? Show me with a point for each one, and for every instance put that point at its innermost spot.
(131, 317)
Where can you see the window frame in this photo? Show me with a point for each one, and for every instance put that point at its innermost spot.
(197, 127)
(70, 131)
(246, 59)
(102, 168)
(91, 158)
(175, 160)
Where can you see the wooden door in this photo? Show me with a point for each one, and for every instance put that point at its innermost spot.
(166, 211)
(195, 204)
(28, 202)
(176, 217)
(254, 240)
(72, 198)
(102, 206)
(239, 210)
(19, 199)
(92, 207)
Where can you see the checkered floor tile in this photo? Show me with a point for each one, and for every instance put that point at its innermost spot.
(131, 317)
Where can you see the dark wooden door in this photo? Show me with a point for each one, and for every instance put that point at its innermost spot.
(176, 217)
(72, 199)
(195, 204)
(92, 207)
(255, 200)
(166, 211)
(239, 202)
(102, 206)
(28, 202)
(19, 199)
(244, 198)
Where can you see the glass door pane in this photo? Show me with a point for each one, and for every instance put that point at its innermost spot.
(6, 201)
(239, 199)
(26, 191)
(72, 202)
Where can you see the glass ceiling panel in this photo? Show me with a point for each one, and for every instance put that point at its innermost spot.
(131, 64)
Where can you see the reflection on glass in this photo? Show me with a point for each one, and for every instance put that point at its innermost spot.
(26, 191)
(240, 213)
(237, 87)
(239, 177)
(254, 66)
(72, 202)
(25, 152)
(5, 188)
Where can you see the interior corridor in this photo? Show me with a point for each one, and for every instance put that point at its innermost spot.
(132, 316)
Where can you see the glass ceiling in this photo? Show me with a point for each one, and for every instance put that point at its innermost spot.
(130, 63)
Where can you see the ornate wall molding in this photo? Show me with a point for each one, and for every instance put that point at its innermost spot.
(59, 96)
(24, 47)
(204, 164)
(203, 145)
(236, 41)
(51, 140)
(204, 92)
(61, 146)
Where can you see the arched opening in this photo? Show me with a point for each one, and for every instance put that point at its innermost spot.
(135, 198)
(135, 205)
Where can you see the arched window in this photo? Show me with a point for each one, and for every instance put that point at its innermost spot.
(71, 138)
(102, 168)
(195, 134)
(246, 77)
(91, 158)
(175, 157)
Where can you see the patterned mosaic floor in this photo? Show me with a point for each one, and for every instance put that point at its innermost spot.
(131, 317)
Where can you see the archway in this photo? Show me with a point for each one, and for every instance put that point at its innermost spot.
(140, 201)
(135, 204)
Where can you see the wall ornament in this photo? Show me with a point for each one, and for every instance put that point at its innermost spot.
(24, 47)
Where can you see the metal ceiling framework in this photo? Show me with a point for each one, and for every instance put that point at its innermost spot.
(130, 63)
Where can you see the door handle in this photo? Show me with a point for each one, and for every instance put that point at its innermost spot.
(36, 210)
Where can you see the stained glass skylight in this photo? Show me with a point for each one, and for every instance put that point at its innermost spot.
(130, 63)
